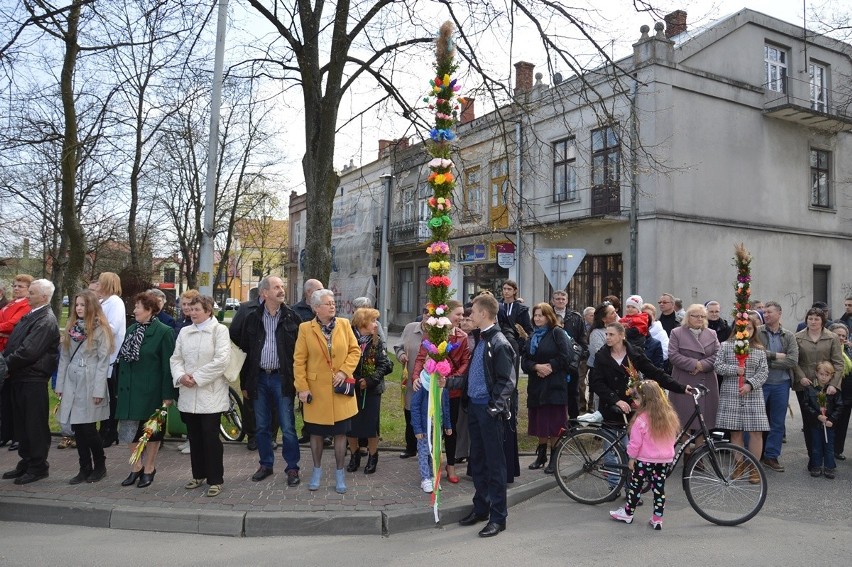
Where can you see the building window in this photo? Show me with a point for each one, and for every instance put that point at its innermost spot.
(821, 277)
(169, 275)
(606, 171)
(597, 277)
(819, 87)
(423, 202)
(408, 203)
(499, 195)
(775, 67)
(257, 268)
(564, 170)
(405, 281)
(820, 179)
(472, 195)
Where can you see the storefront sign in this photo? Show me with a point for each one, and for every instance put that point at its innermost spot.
(505, 254)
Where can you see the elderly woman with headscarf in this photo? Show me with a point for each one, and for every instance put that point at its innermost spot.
(324, 363)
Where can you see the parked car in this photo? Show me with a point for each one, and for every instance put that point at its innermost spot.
(64, 301)
(232, 303)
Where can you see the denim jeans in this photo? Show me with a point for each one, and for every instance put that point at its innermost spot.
(776, 396)
(271, 398)
(822, 452)
(611, 460)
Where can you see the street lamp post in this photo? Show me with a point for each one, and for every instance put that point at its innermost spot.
(384, 261)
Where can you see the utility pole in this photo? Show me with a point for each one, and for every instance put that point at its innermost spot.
(205, 260)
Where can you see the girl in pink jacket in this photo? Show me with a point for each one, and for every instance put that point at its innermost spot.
(651, 448)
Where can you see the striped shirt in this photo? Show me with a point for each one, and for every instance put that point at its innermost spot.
(269, 354)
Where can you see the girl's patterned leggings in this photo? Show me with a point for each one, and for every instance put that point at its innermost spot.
(656, 473)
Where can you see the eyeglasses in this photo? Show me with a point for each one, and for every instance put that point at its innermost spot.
(328, 304)
(698, 315)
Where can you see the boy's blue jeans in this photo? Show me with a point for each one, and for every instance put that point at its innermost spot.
(822, 452)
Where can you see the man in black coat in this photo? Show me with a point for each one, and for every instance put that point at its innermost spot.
(487, 390)
(31, 358)
(235, 331)
(268, 338)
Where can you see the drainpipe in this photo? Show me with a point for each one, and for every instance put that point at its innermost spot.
(385, 268)
(634, 189)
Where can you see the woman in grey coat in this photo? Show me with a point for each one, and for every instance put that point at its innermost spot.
(81, 383)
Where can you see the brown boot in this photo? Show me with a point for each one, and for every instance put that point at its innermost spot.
(739, 470)
(754, 475)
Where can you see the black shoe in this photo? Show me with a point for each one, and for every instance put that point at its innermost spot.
(614, 496)
(261, 474)
(81, 476)
(4, 442)
(293, 478)
(407, 454)
(540, 457)
(14, 446)
(28, 478)
(145, 479)
(252, 444)
(326, 441)
(131, 478)
(354, 462)
(840, 457)
(14, 473)
(372, 462)
(472, 518)
(491, 529)
(304, 439)
(97, 475)
(551, 464)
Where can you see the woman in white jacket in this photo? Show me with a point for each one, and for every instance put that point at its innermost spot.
(198, 365)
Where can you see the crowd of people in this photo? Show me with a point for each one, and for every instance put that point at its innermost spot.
(596, 359)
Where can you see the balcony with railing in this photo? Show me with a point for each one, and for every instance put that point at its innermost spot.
(808, 104)
(409, 232)
(377, 238)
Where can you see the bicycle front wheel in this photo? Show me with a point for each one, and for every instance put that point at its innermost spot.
(731, 498)
(231, 422)
(590, 466)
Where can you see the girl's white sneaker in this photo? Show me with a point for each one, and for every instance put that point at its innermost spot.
(426, 485)
(621, 515)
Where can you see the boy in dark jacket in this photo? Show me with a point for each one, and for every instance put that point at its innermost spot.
(824, 410)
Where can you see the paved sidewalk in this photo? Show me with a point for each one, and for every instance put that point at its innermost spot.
(389, 501)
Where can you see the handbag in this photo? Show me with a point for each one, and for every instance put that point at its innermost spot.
(347, 388)
(235, 364)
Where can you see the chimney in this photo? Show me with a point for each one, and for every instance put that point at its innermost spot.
(523, 77)
(388, 146)
(675, 23)
(468, 112)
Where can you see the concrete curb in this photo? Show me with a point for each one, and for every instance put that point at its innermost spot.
(244, 524)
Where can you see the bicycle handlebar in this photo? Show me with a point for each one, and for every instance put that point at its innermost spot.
(698, 391)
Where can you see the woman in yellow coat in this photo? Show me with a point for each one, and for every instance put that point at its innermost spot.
(326, 356)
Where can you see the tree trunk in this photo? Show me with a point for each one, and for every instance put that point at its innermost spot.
(68, 166)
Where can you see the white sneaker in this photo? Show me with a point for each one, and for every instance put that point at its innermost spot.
(183, 445)
(596, 417)
(621, 515)
(186, 450)
(426, 485)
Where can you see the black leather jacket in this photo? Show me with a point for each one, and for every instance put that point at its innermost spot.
(31, 351)
(499, 372)
(253, 336)
(609, 380)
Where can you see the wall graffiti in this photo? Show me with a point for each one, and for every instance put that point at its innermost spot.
(797, 308)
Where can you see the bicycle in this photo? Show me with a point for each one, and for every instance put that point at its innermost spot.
(591, 468)
(231, 422)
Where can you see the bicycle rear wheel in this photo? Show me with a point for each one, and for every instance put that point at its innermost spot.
(731, 499)
(231, 422)
(580, 469)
